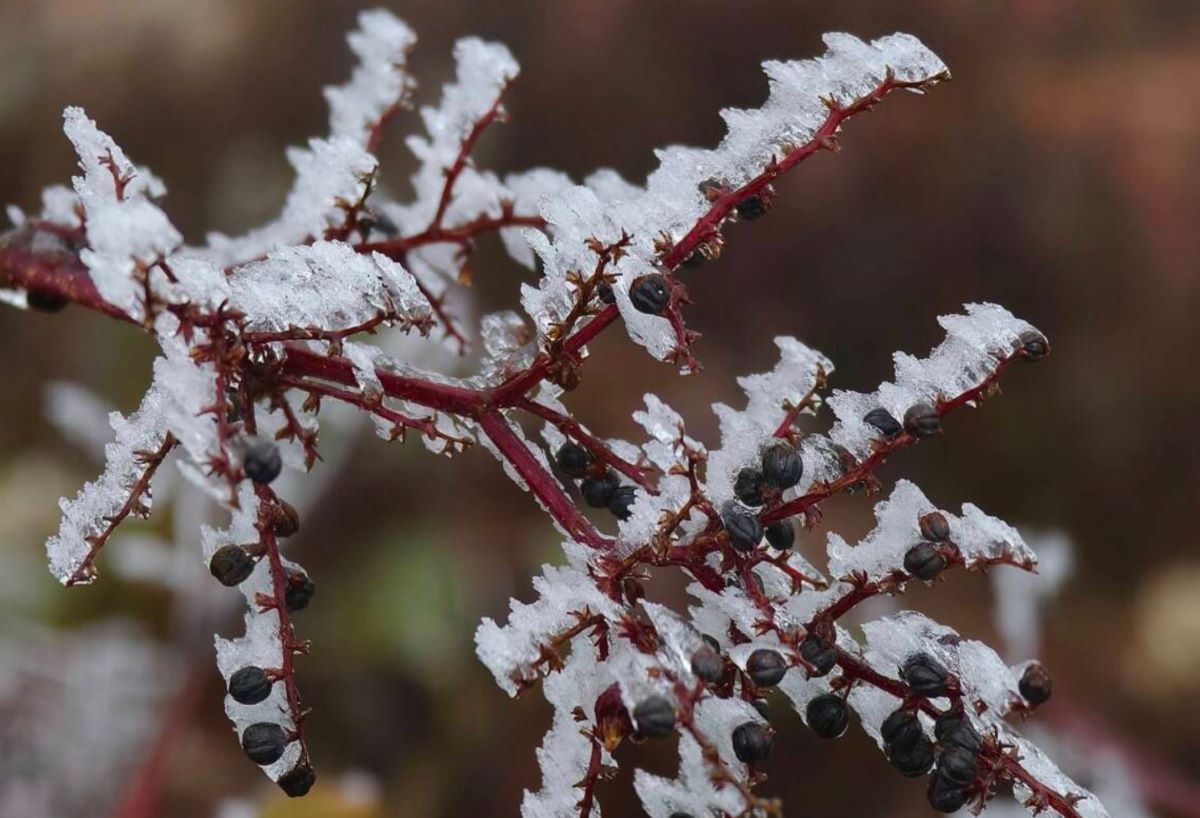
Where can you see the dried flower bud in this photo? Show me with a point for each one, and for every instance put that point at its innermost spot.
(573, 459)
(924, 561)
(299, 591)
(1036, 684)
(250, 685)
(1034, 345)
(782, 466)
(287, 520)
(957, 764)
(922, 420)
(827, 715)
(655, 717)
(766, 667)
(748, 486)
(297, 781)
(752, 742)
(598, 492)
(231, 565)
(745, 532)
(953, 730)
(781, 535)
(264, 742)
(912, 761)
(822, 656)
(650, 294)
(707, 664)
(944, 795)
(925, 675)
(883, 421)
(622, 501)
(901, 730)
(262, 461)
(934, 526)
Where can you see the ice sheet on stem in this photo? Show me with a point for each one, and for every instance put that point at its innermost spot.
(380, 81)
(1020, 597)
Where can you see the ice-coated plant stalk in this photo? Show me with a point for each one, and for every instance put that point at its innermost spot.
(257, 331)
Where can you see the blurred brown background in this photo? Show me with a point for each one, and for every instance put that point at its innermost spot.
(1059, 174)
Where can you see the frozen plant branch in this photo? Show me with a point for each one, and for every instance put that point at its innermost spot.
(257, 332)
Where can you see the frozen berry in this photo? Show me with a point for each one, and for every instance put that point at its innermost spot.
(901, 730)
(655, 717)
(573, 459)
(827, 715)
(821, 656)
(650, 294)
(622, 502)
(922, 420)
(745, 532)
(262, 461)
(605, 291)
(751, 207)
(299, 590)
(1034, 345)
(748, 486)
(250, 685)
(924, 561)
(762, 706)
(781, 534)
(957, 764)
(231, 565)
(44, 301)
(598, 492)
(766, 667)
(953, 730)
(925, 675)
(297, 781)
(782, 466)
(1036, 684)
(944, 795)
(707, 664)
(934, 526)
(912, 761)
(287, 520)
(263, 742)
(884, 422)
(752, 742)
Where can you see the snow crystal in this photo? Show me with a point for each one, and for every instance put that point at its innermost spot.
(380, 80)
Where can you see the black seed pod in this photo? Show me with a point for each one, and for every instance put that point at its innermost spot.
(250, 685)
(827, 715)
(263, 742)
(883, 420)
(924, 561)
(821, 656)
(782, 466)
(766, 667)
(751, 207)
(957, 764)
(299, 591)
(605, 292)
(953, 730)
(262, 461)
(901, 730)
(1034, 345)
(287, 520)
(925, 675)
(655, 717)
(573, 459)
(922, 420)
(44, 301)
(1036, 684)
(598, 492)
(762, 706)
(745, 532)
(707, 664)
(934, 526)
(231, 565)
(748, 486)
(781, 535)
(945, 796)
(297, 781)
(650, 294)
(622, 501)
(912, 761)
(752, 742)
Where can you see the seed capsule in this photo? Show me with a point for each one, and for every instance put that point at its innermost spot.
(766, 667)
(901, 730)
(781, 535)
(884, 422)
(957, 764)
(751, 207)
(922, 420)
(821, 656)
(945, 796)
(299, 590)
(262, 461)
(287, 520)
(598, 492)
(934, 526)
(250, 685)
(953, 730)
(762, 706)
(263, 742)
(782, 466)
(1034, 345)
(913, 761)
(231, 565)
(924, 561)
(925, 675)
(573, 459)
(752, 742)
(1036, 684)
(707, 664)
(297, 781)
(622, 502)
(827, 715)
(745, 532)
(650, 294)
(655, 717)
(748, 486)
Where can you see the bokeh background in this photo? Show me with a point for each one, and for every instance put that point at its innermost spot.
(1059, 174)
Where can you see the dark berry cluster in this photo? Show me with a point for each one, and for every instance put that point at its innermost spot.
(927, 559)
(957, 761)
(650, 294)
(925, 676)
(600, 487)
(920, 420)
(779, 468)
